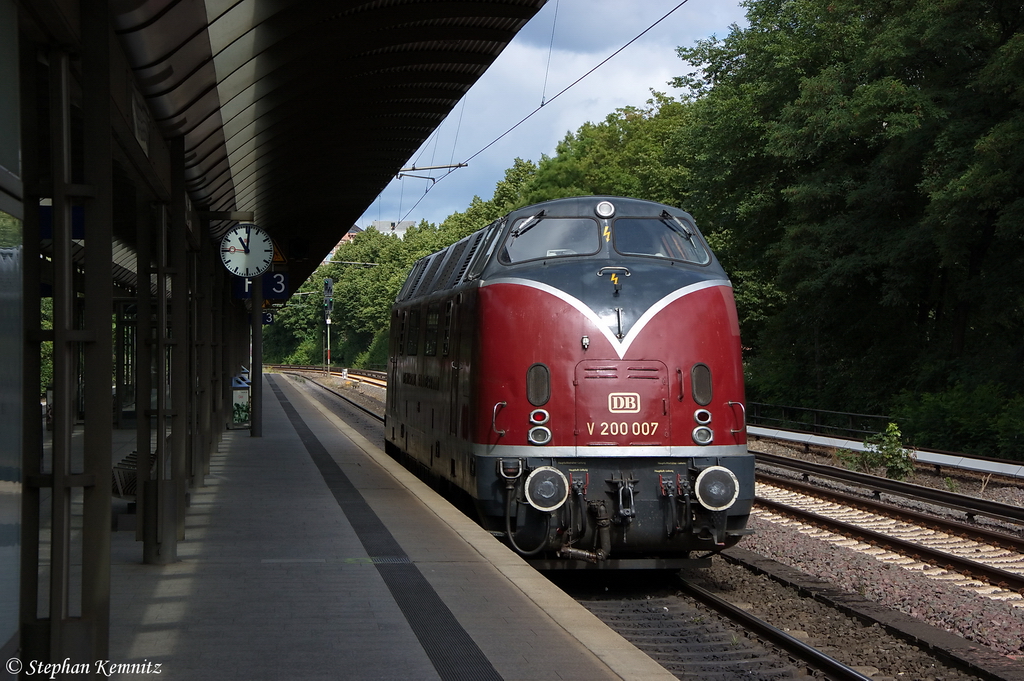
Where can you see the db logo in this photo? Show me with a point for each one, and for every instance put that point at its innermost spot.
(624, 403)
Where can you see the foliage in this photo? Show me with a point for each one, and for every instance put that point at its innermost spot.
(376, 356)
(886, 450)
(626, 155)
(865, 156)
(46, 347)
(10, 231)
(981, 420)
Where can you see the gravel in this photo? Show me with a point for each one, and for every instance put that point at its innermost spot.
(996, 624)
(868, 649)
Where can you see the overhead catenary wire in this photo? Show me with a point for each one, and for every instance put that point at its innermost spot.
(551, 48)
(543, 104)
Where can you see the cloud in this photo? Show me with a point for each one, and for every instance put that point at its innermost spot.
(534, 69)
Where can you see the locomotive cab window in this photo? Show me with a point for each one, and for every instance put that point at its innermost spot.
(540, 237)
(665, 237)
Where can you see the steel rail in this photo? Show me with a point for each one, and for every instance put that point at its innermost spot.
(952, 527)
(832, 668)
(971, 506)
(336, 394)
(993, 575)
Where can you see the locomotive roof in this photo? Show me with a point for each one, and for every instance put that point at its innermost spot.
(475, 256)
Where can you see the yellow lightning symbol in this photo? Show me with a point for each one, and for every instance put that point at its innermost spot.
(607, 233)
(615, 278)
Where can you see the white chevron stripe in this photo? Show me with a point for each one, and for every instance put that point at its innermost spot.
(620, 346)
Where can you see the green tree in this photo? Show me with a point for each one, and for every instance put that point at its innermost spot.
(864, 154)
(626, 154)
(508, 195)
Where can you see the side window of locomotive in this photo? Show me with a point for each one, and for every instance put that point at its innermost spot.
(430, 338)
(412, 342)
(660, 238)
(533, 238)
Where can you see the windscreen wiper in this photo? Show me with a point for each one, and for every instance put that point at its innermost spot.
(527, 225)
(681, 227)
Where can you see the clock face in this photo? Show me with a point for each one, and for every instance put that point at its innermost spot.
(247, 251)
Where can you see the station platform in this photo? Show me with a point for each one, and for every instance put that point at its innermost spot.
(310, 554)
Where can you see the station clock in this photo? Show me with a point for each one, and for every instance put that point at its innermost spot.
(247, 251)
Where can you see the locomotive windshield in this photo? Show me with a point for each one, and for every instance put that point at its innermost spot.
(664, 237)
(541, 237)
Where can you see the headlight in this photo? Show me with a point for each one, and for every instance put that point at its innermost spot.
(717, 488)
(546, 488)
(703, 435)
(539, 435)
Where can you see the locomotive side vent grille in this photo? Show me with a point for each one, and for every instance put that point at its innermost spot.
(649, 373)
(600, 372)
(414, 278)
(471, 251)
(435, 265)
(445, 281)
(700, 379)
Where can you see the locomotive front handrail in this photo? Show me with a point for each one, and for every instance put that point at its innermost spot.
(494, 418)
(624, 270)
(743, 410)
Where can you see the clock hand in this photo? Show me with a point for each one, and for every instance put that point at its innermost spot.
(245, 246)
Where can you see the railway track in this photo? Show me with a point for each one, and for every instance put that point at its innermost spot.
(987, 561)
(972, 507)
(984, 568)
(690, 642)
(749, 617)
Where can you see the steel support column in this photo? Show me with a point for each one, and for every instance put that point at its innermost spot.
(207, 331)
(182, 372)
(199, 327)
(219, 406)
(256, 370)
(144, 334)
(64, 358)
(99, 306)
(160, 528)
(34, 631)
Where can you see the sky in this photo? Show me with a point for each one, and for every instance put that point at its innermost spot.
(562, 42)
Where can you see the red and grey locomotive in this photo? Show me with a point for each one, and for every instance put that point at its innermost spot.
(574, 368)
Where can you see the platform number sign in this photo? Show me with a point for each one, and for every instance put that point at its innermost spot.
(328, 298)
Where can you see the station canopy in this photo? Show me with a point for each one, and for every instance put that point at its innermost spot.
(302, 111)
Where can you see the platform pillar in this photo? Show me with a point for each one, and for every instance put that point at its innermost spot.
(256, 370)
